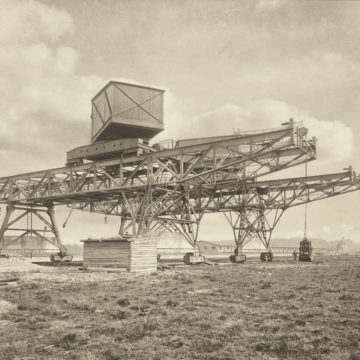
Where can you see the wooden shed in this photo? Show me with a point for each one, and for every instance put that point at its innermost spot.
(136, 254)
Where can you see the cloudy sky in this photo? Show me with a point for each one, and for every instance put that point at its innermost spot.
(224, 65)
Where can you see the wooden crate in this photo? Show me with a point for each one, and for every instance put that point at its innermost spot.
(133, 254)
(107, 253)
(143, 254)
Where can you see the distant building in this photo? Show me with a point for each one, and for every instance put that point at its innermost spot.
(172, 245)
(228, 247)
(26, 244)
(211, 248)
(172, 240)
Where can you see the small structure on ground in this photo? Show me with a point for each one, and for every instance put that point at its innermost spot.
(134, 254)
(28, 245)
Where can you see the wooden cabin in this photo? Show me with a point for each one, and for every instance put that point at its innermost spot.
(130, 254)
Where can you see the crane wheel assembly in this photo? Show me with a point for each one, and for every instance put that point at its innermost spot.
(193, 258)
(61, 257)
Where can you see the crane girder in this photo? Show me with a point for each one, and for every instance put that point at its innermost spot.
(237, 196)
(236, 158)
(172, 189)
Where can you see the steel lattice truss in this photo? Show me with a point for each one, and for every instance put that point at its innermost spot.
(236, 157)
(252, 208)
(172, 189)
(255, 212)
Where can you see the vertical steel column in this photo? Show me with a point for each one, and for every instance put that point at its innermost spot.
(4, 226)
(54, 228)
(243, 232)
(28, 229)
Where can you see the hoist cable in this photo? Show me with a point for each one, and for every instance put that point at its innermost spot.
(306, 201)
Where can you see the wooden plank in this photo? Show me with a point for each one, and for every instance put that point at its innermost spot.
(108, 253)
(139, 254)
(105, 264)
(108, 270)
(143, 255)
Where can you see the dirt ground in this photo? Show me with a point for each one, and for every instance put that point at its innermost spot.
(280, 310)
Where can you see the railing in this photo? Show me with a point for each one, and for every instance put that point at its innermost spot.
(166, 144)
(171, 143)
(237, 131)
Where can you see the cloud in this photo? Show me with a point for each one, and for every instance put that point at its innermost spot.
(317, 73)
(31, 21)
(45, 104)
(44, 101)
(268, 113)
(270, 5)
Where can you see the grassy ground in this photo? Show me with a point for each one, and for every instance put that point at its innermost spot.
(280, 310)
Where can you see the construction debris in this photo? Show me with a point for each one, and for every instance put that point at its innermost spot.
(17, 264)
(6, 277)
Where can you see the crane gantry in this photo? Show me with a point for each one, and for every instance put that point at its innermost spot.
(157, 188)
